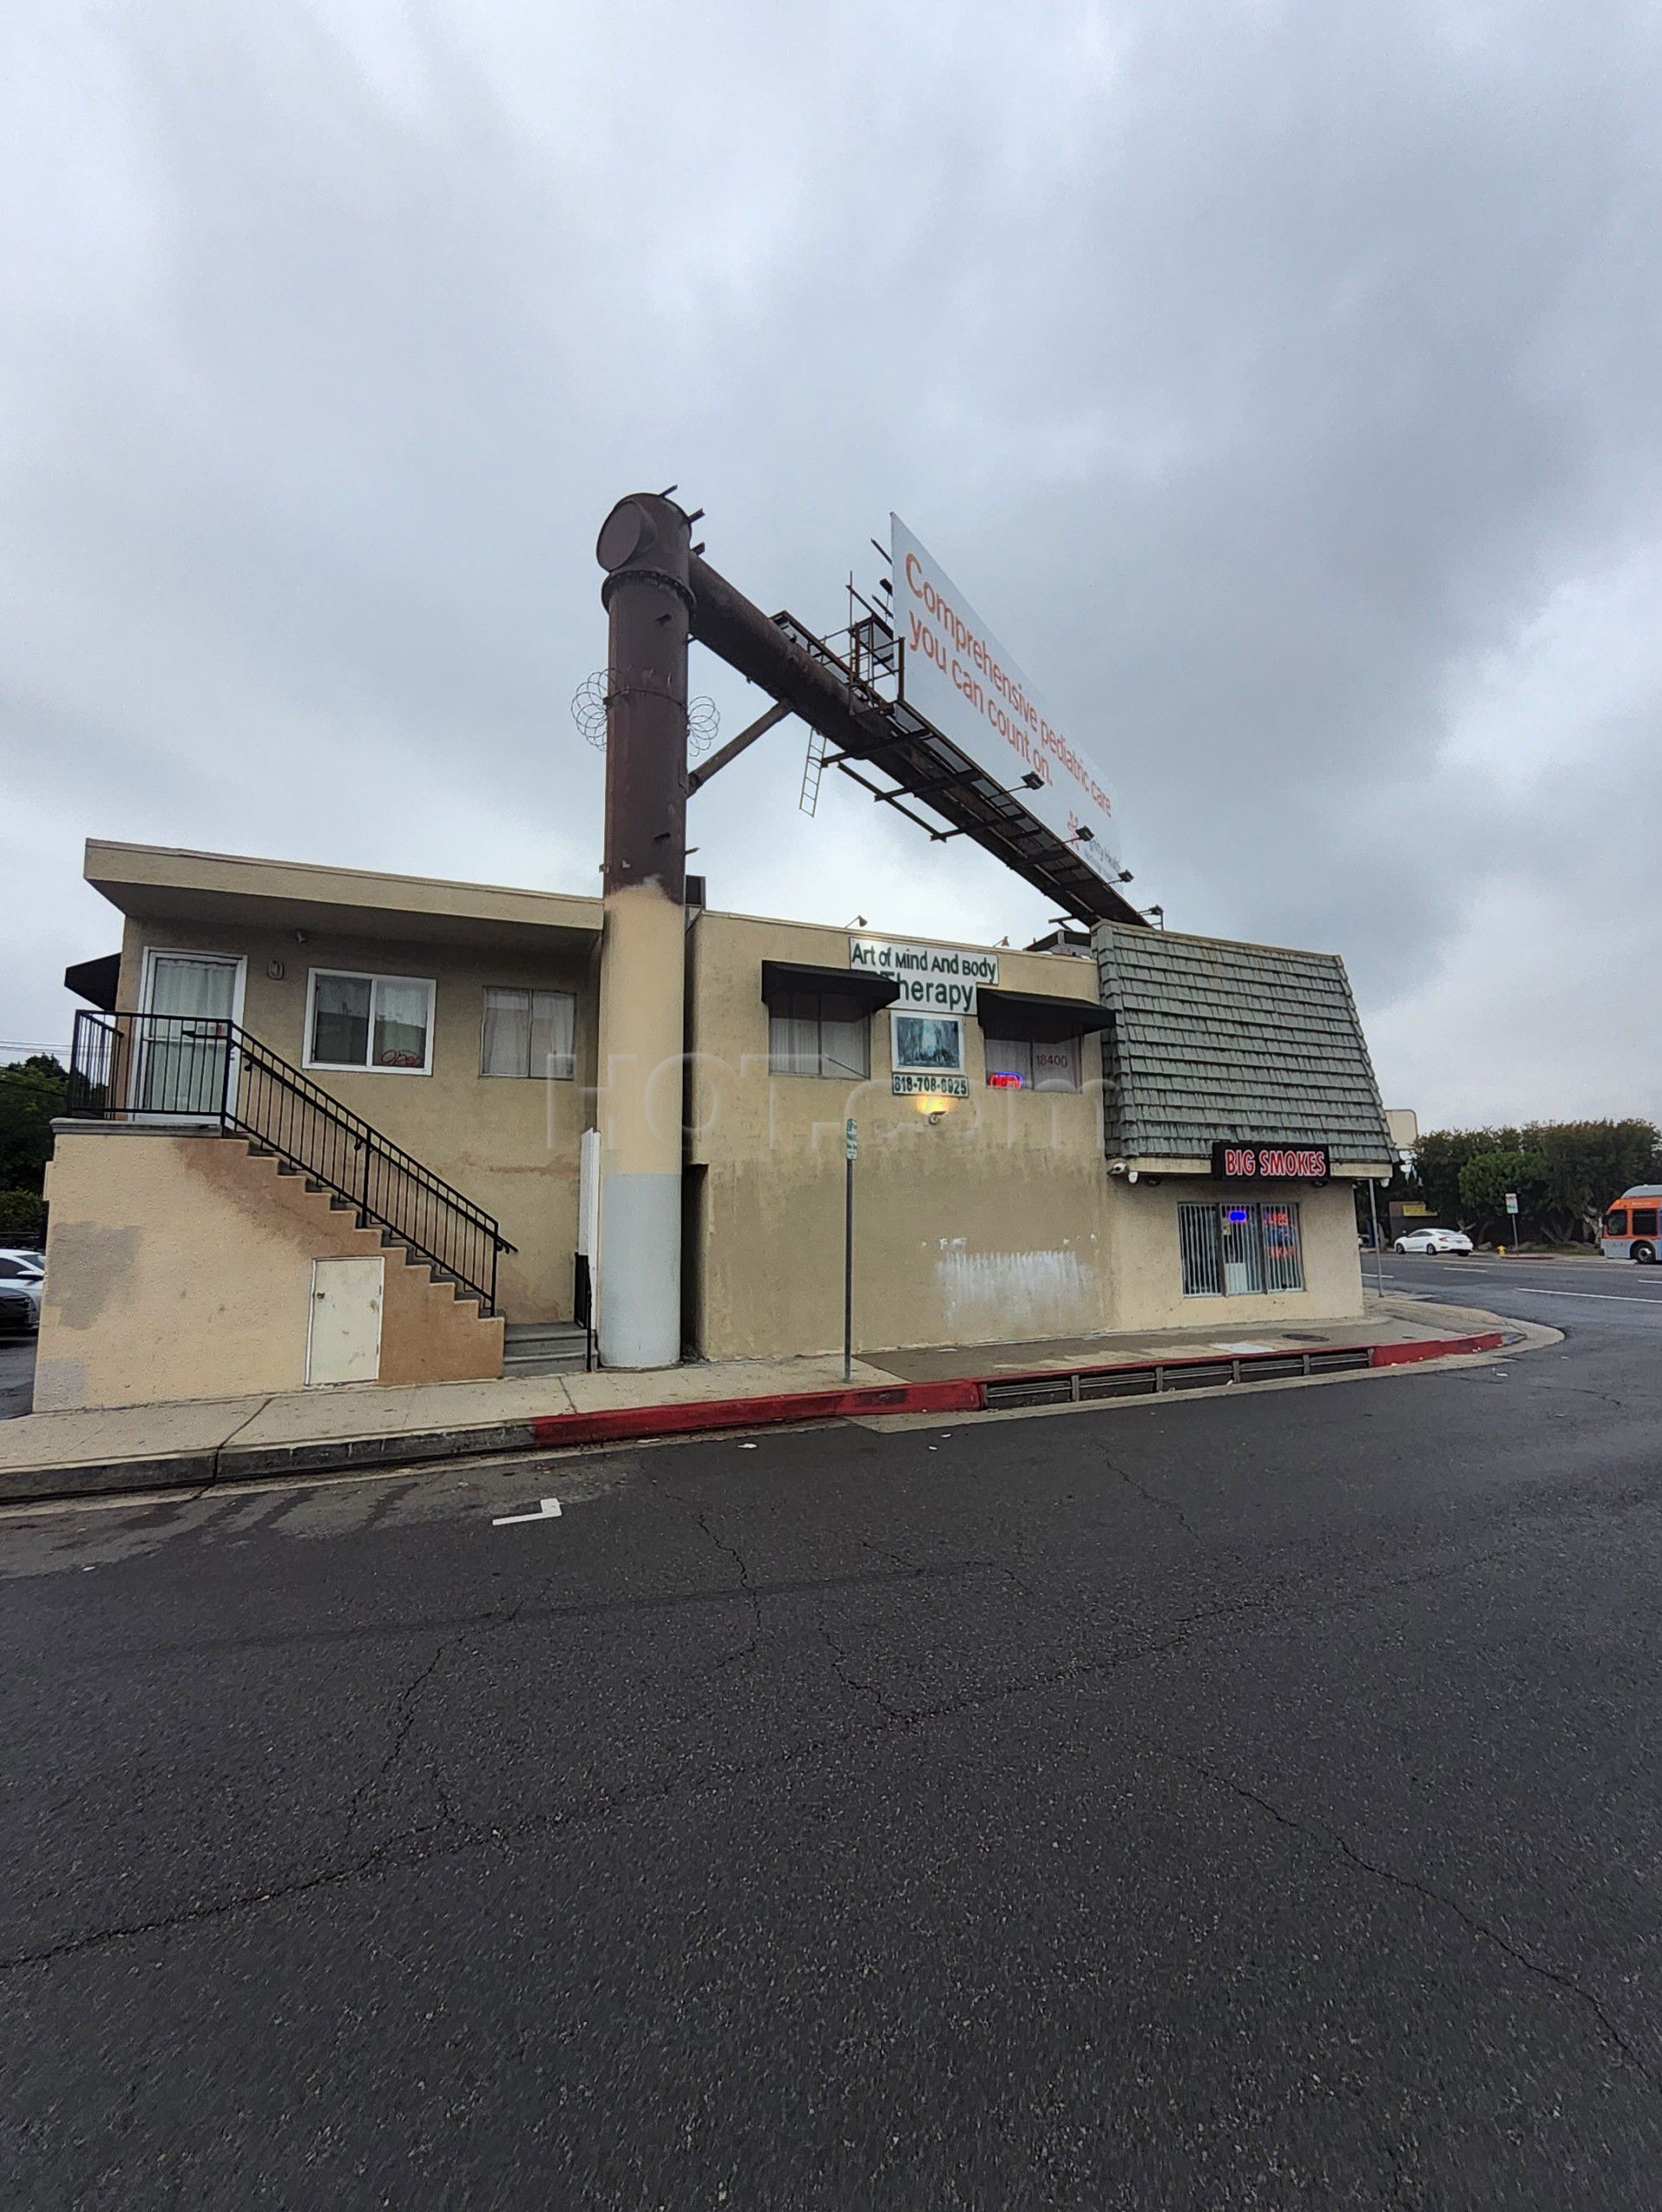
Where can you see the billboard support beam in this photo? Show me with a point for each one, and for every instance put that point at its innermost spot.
(746, 738)
(861, 725)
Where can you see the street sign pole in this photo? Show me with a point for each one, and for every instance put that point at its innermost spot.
(850, 1147)
(1512, 1210)
(1378, 1256)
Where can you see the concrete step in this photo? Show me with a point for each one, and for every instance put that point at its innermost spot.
(542, 1348)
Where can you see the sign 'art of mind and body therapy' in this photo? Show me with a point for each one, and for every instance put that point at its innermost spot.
(938, 984)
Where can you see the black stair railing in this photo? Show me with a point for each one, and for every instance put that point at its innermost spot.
(176, 1068)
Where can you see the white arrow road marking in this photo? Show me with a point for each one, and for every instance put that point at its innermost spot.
(547, 1509)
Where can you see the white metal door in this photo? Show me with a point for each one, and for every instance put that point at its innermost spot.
(344, 1342)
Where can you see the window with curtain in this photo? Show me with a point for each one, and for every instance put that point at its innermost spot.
(819, 1032)
(529, 1032)
(1018, 1063)
(379, 1022)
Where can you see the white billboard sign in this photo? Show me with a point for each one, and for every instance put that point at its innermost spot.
(959, 677)
(933, 978)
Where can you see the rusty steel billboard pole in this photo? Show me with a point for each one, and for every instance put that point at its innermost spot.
(644, 548)
(659, 593)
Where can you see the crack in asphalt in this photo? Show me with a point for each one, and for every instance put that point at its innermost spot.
(1311, 1830)
(403, 1708)
(1167, 1505)
(418, 1845)
(843, 1661)
(943, 1570)
(749, 1648)
(746, 1588)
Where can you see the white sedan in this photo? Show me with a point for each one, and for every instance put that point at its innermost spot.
(1434, 1240)
(20, 1282)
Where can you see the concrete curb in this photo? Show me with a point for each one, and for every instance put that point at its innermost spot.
(204, 1470)
(1436, 1348)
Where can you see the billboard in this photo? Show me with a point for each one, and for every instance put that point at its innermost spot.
(959, 678)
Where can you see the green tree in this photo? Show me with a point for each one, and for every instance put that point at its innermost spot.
(1486, 1178)
(23, 1217)
(1439, 1160)
(1587, 1164)
(32, 1092)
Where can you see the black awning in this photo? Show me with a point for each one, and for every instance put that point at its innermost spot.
(95, 980)
(1040, 1021)
(781, 977)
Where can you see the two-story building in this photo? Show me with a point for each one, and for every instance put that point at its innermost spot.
(331, 1126)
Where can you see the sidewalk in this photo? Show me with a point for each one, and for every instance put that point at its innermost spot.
(190, 1445)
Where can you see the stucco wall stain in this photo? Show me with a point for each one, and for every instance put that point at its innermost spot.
(204, 1289)
(92, 1267)
(1011, 1294)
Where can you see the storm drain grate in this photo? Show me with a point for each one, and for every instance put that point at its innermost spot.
(1202, 1375)
(1130, 1383)
(1160, 1376)
(1039, 1390)
(1345, 1359)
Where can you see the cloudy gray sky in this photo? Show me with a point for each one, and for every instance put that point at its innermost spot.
(1280, 381)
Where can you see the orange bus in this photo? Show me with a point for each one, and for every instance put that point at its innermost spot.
(1631, 1225)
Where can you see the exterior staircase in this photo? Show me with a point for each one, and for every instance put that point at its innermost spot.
(544, 1348)
(160, 1067)
(411, 1253)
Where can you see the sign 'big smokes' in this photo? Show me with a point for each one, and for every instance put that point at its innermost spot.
(1271, 1163)
(960, 679)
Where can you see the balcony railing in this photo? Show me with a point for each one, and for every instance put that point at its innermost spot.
(174, 1069)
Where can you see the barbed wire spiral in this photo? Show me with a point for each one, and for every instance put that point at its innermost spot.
(589, 707)
(704, 724)
(593, 696)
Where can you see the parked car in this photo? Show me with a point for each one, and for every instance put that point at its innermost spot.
(1426, 1240)
(20, 1292)
(29, 1257)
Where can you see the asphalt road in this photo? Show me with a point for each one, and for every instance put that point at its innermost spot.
(1556, 1292)
(1243, 1802)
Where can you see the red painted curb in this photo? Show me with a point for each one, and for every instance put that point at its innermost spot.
(1434, 1348)
(959, 1395)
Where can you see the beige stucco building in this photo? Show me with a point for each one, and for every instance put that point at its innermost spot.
(328, 1126)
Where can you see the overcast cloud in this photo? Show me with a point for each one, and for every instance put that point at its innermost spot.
(1280, 381)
